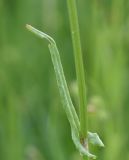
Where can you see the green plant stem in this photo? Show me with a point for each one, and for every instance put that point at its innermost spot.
(72, 9)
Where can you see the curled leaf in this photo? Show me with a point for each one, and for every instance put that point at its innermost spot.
(94, 139)
(83, 150)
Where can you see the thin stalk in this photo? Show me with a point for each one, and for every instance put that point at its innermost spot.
(72, 9)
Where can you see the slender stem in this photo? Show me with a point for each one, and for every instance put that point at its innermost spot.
(72, 9)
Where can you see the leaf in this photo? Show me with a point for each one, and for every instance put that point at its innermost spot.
(94, 139)
(83, 151)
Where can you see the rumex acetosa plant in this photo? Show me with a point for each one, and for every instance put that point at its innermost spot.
(80, 135)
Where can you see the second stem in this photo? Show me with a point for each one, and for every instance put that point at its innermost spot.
(72, 9)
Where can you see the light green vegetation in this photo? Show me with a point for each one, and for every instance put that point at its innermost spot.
(73, 16)
(66, 99)
(33, 124)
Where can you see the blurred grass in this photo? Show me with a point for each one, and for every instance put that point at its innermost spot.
(33, 125)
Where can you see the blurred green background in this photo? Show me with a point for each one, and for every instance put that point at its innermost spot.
(33, 125)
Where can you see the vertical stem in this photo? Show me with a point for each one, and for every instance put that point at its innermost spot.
(72, 9)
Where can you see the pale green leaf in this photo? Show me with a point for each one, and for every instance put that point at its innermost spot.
(94, 139)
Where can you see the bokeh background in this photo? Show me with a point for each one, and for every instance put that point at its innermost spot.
(33, 125)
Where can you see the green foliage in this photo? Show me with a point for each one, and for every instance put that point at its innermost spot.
(66, 99)
(32, 122)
